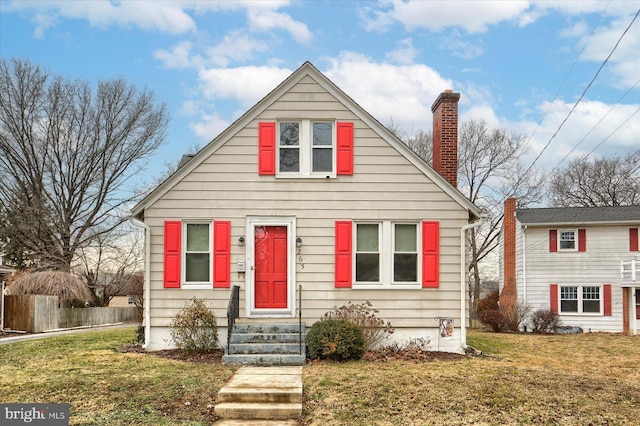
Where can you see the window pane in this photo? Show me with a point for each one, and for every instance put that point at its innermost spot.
(591, 306)
(406, 239)
(591, 293)
(367, 267)
(289, 134)
(569, 306)
(322, 159)
(198, 237)
(322, 134)
(367, 239)
(197, 267)
(569, 293)
(289, 160)
(405, 267)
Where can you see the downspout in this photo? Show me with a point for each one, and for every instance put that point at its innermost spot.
(524, 264)
(463, 281)
(2, 309)
(147, 278)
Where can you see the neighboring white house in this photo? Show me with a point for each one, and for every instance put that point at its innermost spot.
(307, 200)
(581, 262)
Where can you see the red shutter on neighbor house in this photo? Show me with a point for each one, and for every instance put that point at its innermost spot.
(267, 148)
(172, 232)
(553, 240)
(553, 298)
(221, 253)
(582, 240)
(430, 254)
(633, 239)
(606, 289)
(343, 260)
(344, 151)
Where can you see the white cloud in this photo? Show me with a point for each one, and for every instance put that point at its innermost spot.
(404, 53)
(581, 134)
(235, 47)
(262, 20)
(403, 93)
(472, 16)
(179, 56)
(247, 85)
(454, 43)
(209, 126)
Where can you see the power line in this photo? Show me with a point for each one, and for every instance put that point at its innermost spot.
(583, 93)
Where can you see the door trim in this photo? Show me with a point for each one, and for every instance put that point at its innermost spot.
(251, 223)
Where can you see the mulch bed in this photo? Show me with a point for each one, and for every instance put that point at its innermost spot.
(381, 355)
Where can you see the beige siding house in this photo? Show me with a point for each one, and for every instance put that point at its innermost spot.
(306, 203)
(582, 263)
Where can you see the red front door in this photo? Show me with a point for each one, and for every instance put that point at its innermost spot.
(271, 267)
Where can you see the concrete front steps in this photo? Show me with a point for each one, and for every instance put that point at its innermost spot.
(266, 344)
(261, 396)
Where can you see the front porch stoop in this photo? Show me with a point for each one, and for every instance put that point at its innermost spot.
(261, 396)
(266, 344)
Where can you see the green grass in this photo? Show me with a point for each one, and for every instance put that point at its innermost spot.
(528, 379)
(106, 387)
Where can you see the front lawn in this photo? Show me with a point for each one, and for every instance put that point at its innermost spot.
(527, 379)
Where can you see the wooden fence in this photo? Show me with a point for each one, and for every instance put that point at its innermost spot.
(37, 314)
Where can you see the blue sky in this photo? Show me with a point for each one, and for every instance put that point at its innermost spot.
(519, 65)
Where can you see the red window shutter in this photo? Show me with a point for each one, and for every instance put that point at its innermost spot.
(344, 150)
(553, 240)
(430, 254)
(343, 254)
(221, 254)
(606, 289)
(633, 239)
(582, 240)
(172, 239)
(553, 298)
(267, 148)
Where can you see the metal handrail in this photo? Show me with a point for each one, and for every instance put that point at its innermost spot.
(233, 312)
(300, 316)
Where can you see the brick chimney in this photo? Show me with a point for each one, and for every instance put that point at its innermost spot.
(445, 135)
(509, 294)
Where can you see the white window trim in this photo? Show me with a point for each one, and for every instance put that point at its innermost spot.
(575, 240)
(580, 300)
(195, 285)
(385, 246)
(305, 149)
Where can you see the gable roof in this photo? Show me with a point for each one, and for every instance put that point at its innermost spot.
(579, 215)
(306, 69)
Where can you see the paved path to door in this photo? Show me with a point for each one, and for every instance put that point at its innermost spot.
(22, 337)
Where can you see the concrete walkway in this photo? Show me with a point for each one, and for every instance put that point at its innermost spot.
(257, 396)
(20, 337)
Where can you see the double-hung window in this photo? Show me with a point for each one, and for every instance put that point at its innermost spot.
(197, 253)
(306, 148)
(567, 240)
(580, 300)
(386, 253)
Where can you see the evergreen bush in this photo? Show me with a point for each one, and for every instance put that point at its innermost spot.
(337, 340)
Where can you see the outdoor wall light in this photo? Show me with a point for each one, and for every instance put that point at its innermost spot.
(298, 242)
(241, 241)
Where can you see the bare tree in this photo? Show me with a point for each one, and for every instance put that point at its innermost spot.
(110, 262)
(613, 181)
(489, 171)
(66, 153)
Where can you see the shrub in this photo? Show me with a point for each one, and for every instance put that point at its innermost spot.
(337, 340)
(514, 315)
(544, 321)
(494, 319)
(489, 302)
(363, 315)
(193, 329)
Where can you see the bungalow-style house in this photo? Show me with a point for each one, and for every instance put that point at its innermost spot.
(580, 262)
(306, 203)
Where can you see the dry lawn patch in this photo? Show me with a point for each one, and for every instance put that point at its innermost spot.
(529, 379)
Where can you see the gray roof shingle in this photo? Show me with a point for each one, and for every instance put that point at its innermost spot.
(579, 215)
